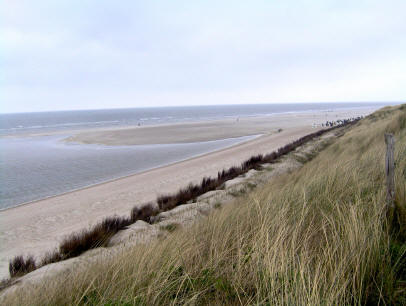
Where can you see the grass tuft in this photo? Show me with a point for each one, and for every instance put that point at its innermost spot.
(77, 243)
(20, 265)
(170, 227)
(143, 213)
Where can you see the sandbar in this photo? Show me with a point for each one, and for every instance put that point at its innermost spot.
(187, 132)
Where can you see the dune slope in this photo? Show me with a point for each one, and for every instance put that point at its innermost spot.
(319, 235)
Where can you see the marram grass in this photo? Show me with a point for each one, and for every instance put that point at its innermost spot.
(318, 236)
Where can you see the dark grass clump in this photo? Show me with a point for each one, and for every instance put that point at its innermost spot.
(190, 192)
(253, 163)
(98, 236)
(144, 213)
(51, 257)
(20, 265)
(228, 174)
(167, 202)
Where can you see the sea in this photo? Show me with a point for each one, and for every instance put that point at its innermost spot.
(35, 162)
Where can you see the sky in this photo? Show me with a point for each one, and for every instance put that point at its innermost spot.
(58, 55)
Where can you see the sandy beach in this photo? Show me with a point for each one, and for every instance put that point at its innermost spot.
(38, 227)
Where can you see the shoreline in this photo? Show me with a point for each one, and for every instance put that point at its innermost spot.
(37, 227)
(190, 133)
(130, 175)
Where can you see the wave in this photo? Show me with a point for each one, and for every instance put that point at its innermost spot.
(31, 127)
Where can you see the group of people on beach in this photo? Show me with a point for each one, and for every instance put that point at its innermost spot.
(341, 121)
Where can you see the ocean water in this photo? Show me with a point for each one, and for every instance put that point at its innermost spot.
(36, 167)
(23, 123)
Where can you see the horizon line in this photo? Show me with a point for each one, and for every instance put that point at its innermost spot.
(198, 105)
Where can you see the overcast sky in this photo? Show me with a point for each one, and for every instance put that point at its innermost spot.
(57, 55)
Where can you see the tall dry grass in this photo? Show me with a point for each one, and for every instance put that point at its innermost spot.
(318, 236)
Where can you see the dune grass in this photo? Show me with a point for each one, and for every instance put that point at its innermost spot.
(318, 236)
(21, 265)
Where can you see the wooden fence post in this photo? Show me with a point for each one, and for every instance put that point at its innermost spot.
(390, 170)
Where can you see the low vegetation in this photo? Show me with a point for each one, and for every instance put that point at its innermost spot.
(20, 265)
(98, 236)
(317, 236)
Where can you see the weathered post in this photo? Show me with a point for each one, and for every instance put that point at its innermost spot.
(390, 170)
